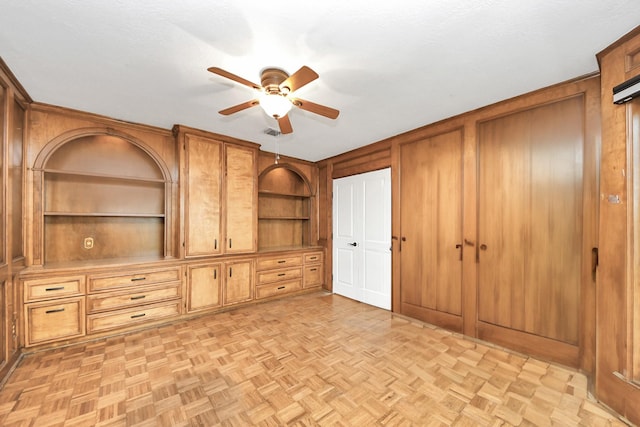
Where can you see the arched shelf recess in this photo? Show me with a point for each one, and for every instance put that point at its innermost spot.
(104, 198)
(284, 208)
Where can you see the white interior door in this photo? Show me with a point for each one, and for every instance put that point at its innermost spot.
(362, 237)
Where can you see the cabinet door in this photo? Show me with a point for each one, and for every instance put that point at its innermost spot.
(530, 223)
(238, 285)
(204, 284)
(241, 199)
(431, 229)
(202, 186)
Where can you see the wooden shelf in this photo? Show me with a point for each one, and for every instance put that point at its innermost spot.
(291, 218)
(280, 194)
(102, 176)
(284, 209)
(106, 189)
(105, 214)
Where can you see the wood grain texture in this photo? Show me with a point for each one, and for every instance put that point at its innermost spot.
(431, 223)
(530, 220)
(617, 288)
(277, 363)
(203, 195)
(240, 199)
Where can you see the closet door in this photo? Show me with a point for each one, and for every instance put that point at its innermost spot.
(530, 228)
(362, 237)
(431, 229)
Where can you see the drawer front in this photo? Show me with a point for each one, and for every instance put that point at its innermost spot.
(278, 275)
(312, 275)
(279, 262)
(273, 289)
(132, 316)
(313, 257)
(54, 320)
(102, 302)
(148, 277)
(48, 288)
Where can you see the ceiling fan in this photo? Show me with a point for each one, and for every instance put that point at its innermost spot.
(276, 94)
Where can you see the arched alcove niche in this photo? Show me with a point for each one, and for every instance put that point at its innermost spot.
(284, 208)
(104, 197)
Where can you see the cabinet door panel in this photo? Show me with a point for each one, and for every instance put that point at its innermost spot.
(238, 285)
(204, 287)
(203, 178)
(241, 199)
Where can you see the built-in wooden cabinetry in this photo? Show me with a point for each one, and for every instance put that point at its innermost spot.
(219, 193)
(618, 290)
(284, 206)
(14, 102)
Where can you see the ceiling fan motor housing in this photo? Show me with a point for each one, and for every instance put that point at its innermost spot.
(271, 78)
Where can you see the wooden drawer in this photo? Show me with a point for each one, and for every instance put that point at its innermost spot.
(278, 275)
(52, 287)
(147, 277)
(103, 302)
(54, 320)
(279, 262)
(132, 316)
(312, 276)
(274, 289)
(313, 257)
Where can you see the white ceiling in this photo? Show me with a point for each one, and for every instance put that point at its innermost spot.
(388, 66)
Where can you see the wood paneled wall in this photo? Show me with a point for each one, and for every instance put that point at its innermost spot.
(14, 108)
(586, 93)
(618, 295)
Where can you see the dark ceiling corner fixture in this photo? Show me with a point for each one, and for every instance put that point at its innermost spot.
(276, 94)
(625, 92)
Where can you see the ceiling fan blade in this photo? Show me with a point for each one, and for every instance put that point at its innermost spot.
(323, 110)
(239, 107)
(298, 79)
(223, 73)
(285, 124)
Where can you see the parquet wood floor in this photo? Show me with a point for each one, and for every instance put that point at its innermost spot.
(311, 360)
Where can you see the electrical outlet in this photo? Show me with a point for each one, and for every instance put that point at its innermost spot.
(88, 243)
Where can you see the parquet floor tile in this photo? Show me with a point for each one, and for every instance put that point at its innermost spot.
(311, 360)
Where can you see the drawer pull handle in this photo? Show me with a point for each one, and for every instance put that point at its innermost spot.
(282, 261)
(57, 310)
(281, 287)
(313, 269)
(313, 258)
(135, 316)
(57, 288)
(138, 297)
(137, 279)
(282, 274)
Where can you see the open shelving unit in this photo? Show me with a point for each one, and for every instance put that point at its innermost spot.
(104, 197)
(284, 209)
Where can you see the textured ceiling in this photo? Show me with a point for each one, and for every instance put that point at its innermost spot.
(389, 67)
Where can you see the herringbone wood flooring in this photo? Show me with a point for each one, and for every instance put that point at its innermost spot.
(311, 360)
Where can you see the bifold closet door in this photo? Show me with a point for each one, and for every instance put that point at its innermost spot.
(362, 237)
(431, 229)
(530, 224)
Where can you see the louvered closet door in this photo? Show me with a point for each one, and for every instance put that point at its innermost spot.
(530, 223)
(431, 229)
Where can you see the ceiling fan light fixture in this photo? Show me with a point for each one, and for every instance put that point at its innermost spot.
(275, 104)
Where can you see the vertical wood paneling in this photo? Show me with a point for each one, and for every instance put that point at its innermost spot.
(431, 222)
(203, 183)
(530, 219)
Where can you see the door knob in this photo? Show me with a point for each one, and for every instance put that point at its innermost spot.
(353, 244)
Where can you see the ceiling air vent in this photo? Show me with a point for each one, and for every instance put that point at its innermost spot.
(272, 132)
